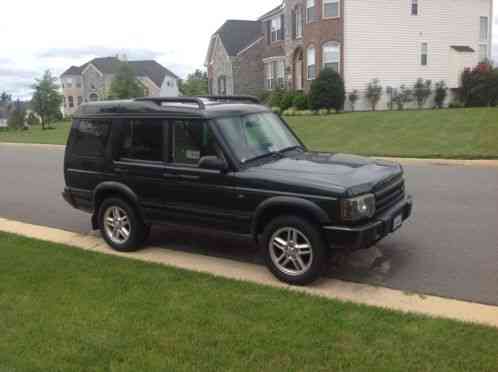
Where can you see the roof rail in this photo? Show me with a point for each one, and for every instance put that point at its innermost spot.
(234, 98)
(160, 100)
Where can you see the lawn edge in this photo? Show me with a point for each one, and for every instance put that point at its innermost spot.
(468, 162)
(432, 306)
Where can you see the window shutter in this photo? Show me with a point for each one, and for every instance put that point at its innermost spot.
(282, 27)
(268, 32)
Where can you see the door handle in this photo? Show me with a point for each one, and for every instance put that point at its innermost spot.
(189, 178)
(121, 170)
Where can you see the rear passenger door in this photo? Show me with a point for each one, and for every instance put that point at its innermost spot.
(139, 162)
(198, 195)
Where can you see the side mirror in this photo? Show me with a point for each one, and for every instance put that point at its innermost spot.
(213, 163)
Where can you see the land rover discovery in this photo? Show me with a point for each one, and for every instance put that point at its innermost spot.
(231, 164)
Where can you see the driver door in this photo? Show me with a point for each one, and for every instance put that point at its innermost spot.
(200, 196)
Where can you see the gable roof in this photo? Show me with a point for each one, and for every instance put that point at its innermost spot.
(272, 12)
(236, 35)
(110, 65)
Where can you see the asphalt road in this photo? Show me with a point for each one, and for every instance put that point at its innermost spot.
(449, 248)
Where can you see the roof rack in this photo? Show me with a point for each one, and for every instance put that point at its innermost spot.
(233, 98)
(160, 100)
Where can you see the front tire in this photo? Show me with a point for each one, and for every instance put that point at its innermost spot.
(121, 226)
(295, 251)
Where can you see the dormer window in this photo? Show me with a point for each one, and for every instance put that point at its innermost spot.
(276, 29)
(414, 7)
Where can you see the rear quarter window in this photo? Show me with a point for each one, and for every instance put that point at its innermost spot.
(90, 137)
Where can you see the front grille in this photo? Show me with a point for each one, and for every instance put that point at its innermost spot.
(389, 195)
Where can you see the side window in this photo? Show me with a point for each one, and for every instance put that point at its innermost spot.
(192, 139)
(91, 137)
(142, 139)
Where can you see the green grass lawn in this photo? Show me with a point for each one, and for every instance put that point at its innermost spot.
(70, 310)
(460, 134)
(56, 136)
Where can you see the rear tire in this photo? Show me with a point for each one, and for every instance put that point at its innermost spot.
(295, 251)
(121, 226)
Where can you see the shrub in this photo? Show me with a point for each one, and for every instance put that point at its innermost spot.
(374, 93)
(290, 112)
(402, 96)
(287, 100)
(390, 91)
(422, 91)
(264, 96)
(276, 97)
(440, 94)
(300, 102)
(456, 105)
(307, 113)
(32, 119)
(479, 87)
(327, 91)
(323, 112)
(353, 98)
(276, 110)
(17, 117)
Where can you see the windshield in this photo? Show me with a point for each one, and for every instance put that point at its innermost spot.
(256, 135)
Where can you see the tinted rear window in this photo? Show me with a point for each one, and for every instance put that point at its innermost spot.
(91, 137)
(142, 140)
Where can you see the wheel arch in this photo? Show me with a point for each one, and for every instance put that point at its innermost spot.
(279, 206)
(113, 189)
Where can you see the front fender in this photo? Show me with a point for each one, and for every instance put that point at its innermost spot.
(289, 204)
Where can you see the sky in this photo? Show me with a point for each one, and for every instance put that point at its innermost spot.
(54, 34)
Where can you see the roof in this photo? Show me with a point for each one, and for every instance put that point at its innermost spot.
(236, 35)
(110, 65)
(209, 109)
(463, 48)
(272, 12)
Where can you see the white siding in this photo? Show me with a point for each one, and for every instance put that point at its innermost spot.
(383, 40)
(3, 123)
(170, 87)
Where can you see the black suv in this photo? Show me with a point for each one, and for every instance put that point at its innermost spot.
(227, 163)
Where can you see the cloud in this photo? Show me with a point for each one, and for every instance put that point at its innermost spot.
(4, 61)
(17, 73)
(99, 51)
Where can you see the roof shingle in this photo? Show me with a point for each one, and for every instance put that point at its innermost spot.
(236, 35)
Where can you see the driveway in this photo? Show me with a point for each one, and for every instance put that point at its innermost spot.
(448, 249)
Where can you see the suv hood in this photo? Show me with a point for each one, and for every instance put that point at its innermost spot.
(338, 173)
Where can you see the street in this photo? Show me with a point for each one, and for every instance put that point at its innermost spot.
(449, 248)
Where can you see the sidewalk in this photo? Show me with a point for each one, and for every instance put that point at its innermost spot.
(329, 288)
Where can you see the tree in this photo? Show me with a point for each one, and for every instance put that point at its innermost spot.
(402, 96)
(195, 85)
(353, 98)
(5, 98)
(422, 91)
(17, 117)
(440, 94)
(47, 100)
(125, 84)
(327, 91)
(479, 86)
(374, 93)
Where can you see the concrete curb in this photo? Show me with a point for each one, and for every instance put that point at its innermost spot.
(329, 288)
(408, 161)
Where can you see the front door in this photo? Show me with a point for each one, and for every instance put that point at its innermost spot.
(299, 74)
(200, 196)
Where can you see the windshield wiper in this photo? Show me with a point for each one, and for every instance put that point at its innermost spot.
(273, 154)
(291, 148)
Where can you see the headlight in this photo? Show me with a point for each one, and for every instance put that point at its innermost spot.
(358, 208)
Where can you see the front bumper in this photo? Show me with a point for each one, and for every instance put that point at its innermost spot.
(365, 236)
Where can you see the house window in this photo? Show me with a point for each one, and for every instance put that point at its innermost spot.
(69, 83)
(311, 63)
(331, 8)
(276, 29)
(275, 75)
(310, 11)
(425, 52)
(222, 86)
(298, 23)
(332, 56)
(484, 29)
(414, 7)
(70, 99)
(80, 100)
(483, 52)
